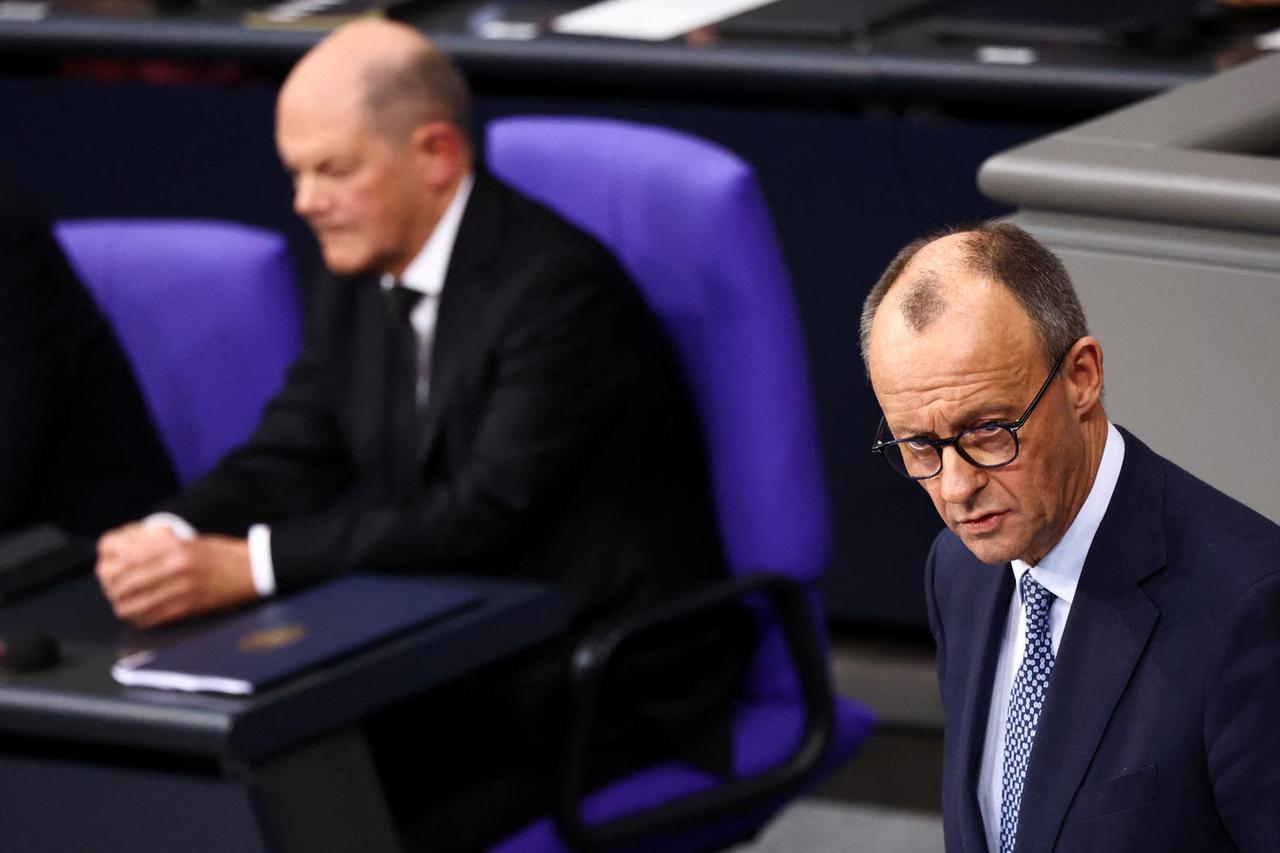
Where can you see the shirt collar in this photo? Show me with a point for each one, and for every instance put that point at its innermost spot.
(426, 272)
(1059, 571)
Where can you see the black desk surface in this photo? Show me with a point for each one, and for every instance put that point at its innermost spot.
(78, 700)
(1093, 57)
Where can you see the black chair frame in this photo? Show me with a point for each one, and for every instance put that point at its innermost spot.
(791, 604)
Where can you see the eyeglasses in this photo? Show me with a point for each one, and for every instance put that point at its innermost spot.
(985, 446)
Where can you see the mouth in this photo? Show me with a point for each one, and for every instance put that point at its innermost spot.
(981, 523)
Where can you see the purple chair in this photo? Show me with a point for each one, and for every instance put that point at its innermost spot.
(208, 316)
(688, 221)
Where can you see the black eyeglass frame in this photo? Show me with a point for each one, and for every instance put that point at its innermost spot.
(954, 441)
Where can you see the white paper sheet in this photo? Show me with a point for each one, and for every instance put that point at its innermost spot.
(1268, 40)
(651, 20)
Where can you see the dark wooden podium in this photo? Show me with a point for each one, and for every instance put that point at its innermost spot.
(86, 764)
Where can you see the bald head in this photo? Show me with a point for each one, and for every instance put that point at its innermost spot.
(1001, 253)
(370, 124)
(940, 306)
(397, 78)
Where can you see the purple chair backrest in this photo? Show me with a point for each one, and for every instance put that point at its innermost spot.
(688, 221)
(208, 316)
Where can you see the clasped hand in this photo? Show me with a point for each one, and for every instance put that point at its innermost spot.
(151, 576)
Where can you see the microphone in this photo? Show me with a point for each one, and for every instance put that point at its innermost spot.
(29, 651)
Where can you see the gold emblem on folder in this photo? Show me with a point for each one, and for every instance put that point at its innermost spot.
(267, 639)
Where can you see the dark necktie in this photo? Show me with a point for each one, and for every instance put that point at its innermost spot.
(1026, 699)
(402, 383)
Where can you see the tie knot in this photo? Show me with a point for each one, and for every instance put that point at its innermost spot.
(402, 301)
(1036, 599)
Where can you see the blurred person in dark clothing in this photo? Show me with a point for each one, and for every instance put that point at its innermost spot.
(77, 446)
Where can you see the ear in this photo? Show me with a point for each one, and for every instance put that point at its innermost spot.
(442, 153)
(1082, 370)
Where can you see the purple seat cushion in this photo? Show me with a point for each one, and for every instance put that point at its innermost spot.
(208, 316)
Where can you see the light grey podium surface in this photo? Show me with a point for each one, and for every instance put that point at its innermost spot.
(1167, 216)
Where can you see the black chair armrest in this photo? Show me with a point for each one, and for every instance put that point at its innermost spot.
(791, 603)
(37, 556)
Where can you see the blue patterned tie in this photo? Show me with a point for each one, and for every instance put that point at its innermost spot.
(1025, 701)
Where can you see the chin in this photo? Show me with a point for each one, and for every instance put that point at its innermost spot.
(342, 263)
(989, 551)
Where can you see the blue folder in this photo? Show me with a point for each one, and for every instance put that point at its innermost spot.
(282, 637)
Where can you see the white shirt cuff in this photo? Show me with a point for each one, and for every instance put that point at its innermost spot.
(260, 565)
(179, 525)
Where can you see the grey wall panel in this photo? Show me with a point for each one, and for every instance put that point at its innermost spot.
(1191, 346)
(1167, 215)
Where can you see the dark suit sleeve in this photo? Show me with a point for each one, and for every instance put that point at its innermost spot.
(1242, 720)
(555, 376)
(34, 365)
(77, 447)
(294, 462)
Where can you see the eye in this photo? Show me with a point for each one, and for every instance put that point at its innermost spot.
(328, 168)
(992, 438)
(917, 444)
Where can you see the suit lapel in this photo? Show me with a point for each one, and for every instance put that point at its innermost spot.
(462, 305)
(993, 591)
(1110, 623)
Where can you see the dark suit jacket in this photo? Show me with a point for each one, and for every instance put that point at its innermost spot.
(559, 442)
(1161, 726)
(77, 447)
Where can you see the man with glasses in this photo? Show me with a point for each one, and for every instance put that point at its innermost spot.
(1108, 627)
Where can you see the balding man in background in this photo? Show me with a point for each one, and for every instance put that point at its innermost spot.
(1108, 627)
(481, 390)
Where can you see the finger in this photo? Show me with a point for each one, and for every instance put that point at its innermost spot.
(150, 541)
(124, 545)
(119, 576)
(115, 541)
(169, 567)
(155, 606)
(142, 574)
(108, 570)
(139, 602)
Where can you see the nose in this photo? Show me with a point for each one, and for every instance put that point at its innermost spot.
(308, 198)
(960, 480)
